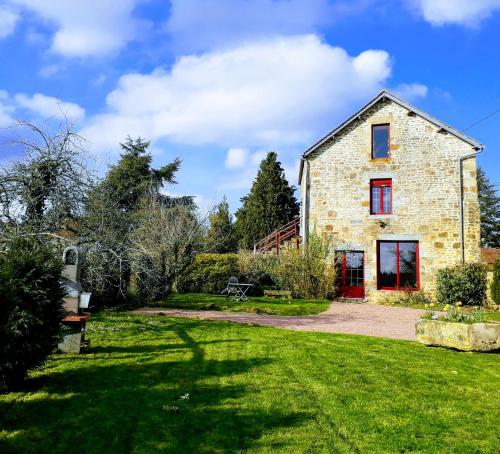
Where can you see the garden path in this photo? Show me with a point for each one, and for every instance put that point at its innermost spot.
(350, 318)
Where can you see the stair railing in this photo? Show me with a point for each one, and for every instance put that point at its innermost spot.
(275, 238)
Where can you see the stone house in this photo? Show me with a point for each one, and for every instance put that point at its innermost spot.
(396, 190)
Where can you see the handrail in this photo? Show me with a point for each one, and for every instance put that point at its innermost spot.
(279, 230)
(275, 238)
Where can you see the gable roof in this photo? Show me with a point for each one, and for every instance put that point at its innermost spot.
(384, 94)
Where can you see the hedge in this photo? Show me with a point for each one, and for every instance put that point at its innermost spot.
(466, 283)
(208, 273)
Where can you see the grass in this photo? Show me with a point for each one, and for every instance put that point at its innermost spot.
(178, 385)
(493, 316)
(257, 305)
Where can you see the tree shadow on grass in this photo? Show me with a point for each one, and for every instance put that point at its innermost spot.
(149, 348)
(164, 404)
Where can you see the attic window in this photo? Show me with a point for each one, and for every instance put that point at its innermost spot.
(380, 141)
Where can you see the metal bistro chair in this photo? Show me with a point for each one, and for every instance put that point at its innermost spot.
(232, 288)
(236, 290)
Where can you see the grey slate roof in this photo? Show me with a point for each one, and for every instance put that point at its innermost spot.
(385, 94)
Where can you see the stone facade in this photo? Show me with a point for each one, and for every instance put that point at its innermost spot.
(426, 187)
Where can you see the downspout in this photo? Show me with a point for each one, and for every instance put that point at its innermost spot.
(305, 205)
(462, 222)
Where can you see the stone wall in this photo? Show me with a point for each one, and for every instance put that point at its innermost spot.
(424, 167)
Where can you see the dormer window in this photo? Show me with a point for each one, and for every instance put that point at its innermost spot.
(380, 141)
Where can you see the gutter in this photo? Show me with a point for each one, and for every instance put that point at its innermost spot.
(462, 222)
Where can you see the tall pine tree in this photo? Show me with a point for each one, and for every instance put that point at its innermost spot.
(221, 236)
(133, 176)
(489, 204)
(270, 204)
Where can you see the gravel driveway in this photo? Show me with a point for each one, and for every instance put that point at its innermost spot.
(350, 318)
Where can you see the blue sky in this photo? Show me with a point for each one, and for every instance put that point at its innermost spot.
(220, 82)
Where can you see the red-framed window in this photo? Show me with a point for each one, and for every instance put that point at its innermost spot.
(381, 196)
(380, 141)
(398, 265)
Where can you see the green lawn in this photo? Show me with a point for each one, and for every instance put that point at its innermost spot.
(180, 385)
(257, 305)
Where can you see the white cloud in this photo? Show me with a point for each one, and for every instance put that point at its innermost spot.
(236, 158)
(463, 12)
(5, 110)
(278, 92)
(87, 27)
(411, 92)
(49, 107)
(8, 21)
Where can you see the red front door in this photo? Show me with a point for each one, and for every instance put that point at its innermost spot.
(351, 275)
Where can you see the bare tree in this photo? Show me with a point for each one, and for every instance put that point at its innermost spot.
(46, 191)
(163, 243)
(51, 194)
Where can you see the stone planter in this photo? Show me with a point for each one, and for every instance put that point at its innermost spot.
(479, 337)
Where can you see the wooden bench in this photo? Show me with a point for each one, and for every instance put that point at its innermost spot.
(278, 293)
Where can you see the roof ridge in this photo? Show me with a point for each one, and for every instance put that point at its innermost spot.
(385, 93)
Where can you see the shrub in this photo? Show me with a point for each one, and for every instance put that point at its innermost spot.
(411, 298)
(30, 308)
(254, 271)
(308, 272)
(208, 273)
(107, 276)
(462, 283)
(495, 284)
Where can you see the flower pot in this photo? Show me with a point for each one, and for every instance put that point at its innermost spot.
(479, 337)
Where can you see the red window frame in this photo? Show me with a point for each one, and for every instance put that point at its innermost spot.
(380, 184)
(388, 127)
(398, 284)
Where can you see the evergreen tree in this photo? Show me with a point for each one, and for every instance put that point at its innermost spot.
(111, 216)
(270, 204)
(132, 176)
(489, 204)
(221, 236)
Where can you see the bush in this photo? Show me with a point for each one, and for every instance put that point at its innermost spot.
(253, 270)
(30, 308)
(495, 284)
(208, 273)
(462, 283)
(411, 298)
(308, 272)
(108, 278)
